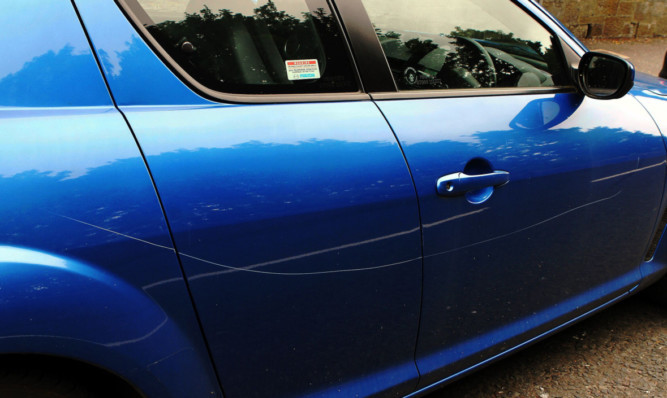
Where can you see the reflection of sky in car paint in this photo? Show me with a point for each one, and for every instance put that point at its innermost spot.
(34, 151)
(46, 61)
(174, 10)
(29, 136)
(434, 17)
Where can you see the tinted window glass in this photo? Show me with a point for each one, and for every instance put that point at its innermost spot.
(252, 46)
(437, 44)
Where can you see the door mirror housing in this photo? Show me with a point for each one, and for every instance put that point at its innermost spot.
(605, 76)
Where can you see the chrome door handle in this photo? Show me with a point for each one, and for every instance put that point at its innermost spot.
(458, 184)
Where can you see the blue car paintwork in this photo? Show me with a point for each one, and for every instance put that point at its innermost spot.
(263, 216)
(567, 172)
(284, 207)
(300, 236)
(87, 267)
(83, 238)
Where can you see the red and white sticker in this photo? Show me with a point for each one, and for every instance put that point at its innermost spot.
(302, 69)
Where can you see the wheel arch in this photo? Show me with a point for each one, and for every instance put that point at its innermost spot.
(58, 310)
(67, 370)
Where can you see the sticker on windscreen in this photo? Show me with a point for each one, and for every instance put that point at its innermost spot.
(302, 69)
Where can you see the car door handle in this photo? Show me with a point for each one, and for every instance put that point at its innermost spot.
(458, 184)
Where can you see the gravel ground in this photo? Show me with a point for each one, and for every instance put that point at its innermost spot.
(646, 54)
(620, 352)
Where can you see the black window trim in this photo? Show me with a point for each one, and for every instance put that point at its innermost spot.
(370, 58)
(138, 17)
(366, 48)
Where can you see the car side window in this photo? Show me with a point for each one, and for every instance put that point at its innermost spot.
(251, 46)
(455, 44)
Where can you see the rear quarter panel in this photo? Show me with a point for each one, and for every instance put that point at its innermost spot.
(87, 267)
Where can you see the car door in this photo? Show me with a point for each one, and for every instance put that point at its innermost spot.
(288, 197)
(536, 203)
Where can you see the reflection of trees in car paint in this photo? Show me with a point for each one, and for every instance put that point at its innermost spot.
(48, 80)
(233, 52)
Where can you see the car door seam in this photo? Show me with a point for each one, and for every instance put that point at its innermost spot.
(155, 188)
(421, 236)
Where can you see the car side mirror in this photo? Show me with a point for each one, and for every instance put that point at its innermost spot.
(605, 76)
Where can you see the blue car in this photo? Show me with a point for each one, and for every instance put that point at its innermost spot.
(310, 198)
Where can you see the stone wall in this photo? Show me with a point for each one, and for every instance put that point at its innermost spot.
(611, 18)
